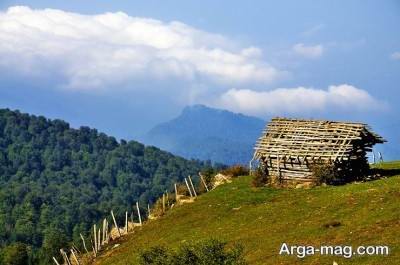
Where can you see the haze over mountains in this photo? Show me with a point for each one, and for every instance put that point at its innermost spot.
(208, 134)
(222, 136)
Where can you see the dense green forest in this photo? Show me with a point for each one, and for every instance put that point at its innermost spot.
(56, 181)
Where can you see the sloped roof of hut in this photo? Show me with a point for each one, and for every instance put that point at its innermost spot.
(320, 139)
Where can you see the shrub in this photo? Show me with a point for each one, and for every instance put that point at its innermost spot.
(15, 254)
(158, 255)
(325, 173)
(260, 177)
(182, 189)
(210, 252)
(210, 171)
(209, 180)
(235, 171)
(157, 209)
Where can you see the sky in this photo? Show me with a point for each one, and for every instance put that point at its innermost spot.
(124, 66)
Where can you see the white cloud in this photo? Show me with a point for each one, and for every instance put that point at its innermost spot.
(312, 51)
(298, 100)
(313, 30)
(395, 56)
(92, 51)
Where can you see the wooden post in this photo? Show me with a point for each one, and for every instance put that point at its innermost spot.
(84, 244)
(94, 249)
(138, 212)
(99, 241)
(107, 239)
(75, 258)
(163, 202)
(77, 251)
(65, 256)
(126, 222)
(115, 223)
(278, 166)
(95, 238)
(104, 231)
(148, 209)
(55, 261)
(167, 195)
(187, 185)
(191, 183)
(203, 181)
(176, 193)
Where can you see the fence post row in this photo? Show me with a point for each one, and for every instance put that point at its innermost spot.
(187, 185)
(101, 236)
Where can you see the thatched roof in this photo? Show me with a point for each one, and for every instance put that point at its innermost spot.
(316, 139)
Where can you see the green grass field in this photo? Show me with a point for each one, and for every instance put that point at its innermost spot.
(262, 219)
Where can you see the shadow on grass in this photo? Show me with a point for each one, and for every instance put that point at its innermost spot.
(386, 172)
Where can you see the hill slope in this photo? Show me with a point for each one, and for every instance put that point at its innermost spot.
(208, 134)
(56, 181)
(263, 219)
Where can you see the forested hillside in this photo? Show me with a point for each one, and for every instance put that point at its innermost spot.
(55, 181)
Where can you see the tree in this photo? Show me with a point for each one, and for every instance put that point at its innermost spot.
(54, 240)
(15, 254)
(56, 181)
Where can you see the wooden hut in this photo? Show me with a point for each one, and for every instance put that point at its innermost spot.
(289, 149)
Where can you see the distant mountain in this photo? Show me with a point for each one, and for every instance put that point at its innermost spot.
(208, 134)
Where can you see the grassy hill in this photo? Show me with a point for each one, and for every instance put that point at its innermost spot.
(262, 219)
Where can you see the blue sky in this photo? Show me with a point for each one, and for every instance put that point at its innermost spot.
(123, 66)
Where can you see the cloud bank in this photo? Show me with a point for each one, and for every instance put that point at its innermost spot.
(311, 52)
(94, 51)
(298, 100)
(111, 51)
(395, 56)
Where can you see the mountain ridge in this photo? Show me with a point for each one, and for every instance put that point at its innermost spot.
(206, 133)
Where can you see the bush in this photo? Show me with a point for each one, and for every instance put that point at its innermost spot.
(235, 171)
(210, 252)
(260, 177)
(182, 189)
(209, 178)
(157, 209)
(325, 173)
(15, 254)
(157, 255)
